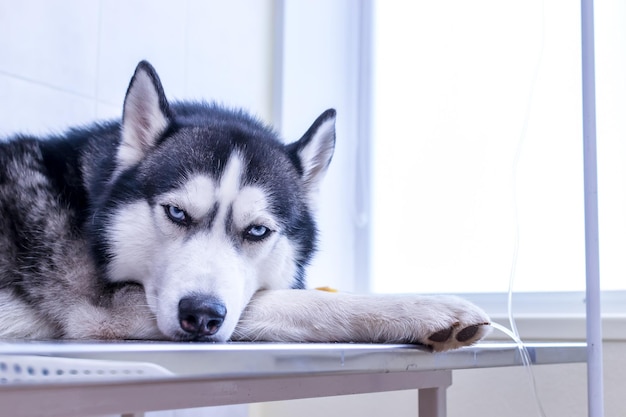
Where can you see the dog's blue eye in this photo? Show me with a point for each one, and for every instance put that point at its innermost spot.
(176, 214)
(256, 232)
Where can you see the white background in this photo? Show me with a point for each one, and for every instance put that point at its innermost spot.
(478, 146)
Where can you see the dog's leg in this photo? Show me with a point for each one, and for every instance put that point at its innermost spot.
(440, 322)
(123, 314)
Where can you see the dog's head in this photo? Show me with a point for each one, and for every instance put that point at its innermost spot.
(205, 206)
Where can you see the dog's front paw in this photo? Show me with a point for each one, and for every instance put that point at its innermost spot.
(454, 323)
(123, 315)
(440, 322)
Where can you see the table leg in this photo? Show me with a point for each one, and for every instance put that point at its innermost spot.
(432, 402)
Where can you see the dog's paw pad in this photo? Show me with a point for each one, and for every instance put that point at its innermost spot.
(457, 336)
(468, 333)
(442, 335)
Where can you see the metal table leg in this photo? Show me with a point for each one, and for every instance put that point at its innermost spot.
(432, 401)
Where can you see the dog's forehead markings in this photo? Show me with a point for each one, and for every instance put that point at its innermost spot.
(196, 195)
(252, 206)
(240, 204)
(230, 181)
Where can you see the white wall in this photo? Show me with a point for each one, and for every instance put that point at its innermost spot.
(318, 72)
(70, 61)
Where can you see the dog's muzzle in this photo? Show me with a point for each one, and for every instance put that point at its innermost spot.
(200, 316)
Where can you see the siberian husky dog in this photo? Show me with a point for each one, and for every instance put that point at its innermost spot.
(185, 222)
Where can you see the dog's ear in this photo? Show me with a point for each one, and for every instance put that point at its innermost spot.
(314, 150)
(146, 116)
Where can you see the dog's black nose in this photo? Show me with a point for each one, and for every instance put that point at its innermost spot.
(201, 315)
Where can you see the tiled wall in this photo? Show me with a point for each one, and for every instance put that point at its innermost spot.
(70, 61)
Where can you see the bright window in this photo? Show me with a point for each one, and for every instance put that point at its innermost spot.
(478, 146)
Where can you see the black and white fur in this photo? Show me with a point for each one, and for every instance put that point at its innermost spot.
(185, 221)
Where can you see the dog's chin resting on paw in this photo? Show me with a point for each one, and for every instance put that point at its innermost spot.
(439, 322)
(186, 221)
